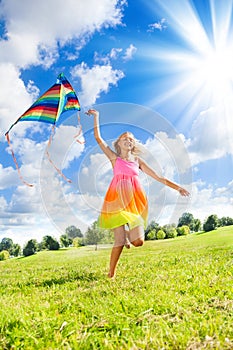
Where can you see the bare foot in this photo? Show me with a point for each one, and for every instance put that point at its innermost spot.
(111, 275)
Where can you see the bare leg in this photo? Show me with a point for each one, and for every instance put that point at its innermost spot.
(119, 234)
(136, 236)
(115, 255)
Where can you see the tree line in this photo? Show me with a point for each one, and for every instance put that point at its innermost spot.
(94, 235)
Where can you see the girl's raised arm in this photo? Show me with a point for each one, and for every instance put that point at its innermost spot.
(103, 145)
(149, 171)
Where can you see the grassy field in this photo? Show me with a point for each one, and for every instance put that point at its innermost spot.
(171, 294)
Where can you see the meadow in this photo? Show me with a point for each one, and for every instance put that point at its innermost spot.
(168, 294)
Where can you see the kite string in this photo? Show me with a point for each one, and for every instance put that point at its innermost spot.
(15, 161)
(47, 153)
(79, 132)
(49, 158)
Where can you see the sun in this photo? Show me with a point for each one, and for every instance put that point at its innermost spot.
(214, 72)
(196, 60)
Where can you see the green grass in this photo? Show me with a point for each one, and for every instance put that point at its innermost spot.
(171, 294)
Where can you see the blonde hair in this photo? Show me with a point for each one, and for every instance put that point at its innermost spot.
(135, 150)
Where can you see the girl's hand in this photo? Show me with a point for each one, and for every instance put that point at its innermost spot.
(92, 112)
(183, 192)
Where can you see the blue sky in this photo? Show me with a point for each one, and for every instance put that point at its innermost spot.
(161, 69)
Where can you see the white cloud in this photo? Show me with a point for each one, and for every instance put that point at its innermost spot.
(32, 39)
(160, 25)
(8, 177)
(168, 157)
(47, 208)
(25, 209)
(63, 204)
(166, 206)
(14, 95)
(106, 59)
(64, 147)
(26, 231)
(23, 216)
(129, 52)
(211, 135)
(33, 155)
(3, 207)
(95, 80)
(28, 154)
(25, 201)
(207, 200)
(174, 157)
(116, 53)
(95, 175)
(168, 154)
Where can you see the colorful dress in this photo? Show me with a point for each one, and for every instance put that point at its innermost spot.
(125, 201)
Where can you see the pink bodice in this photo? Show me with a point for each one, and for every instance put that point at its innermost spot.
(125, 167)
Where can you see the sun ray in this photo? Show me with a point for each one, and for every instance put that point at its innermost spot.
(184, 20)
(221, 19)
(196, 66)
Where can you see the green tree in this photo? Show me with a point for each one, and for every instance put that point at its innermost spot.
(160, 234)
(171, 233)
(108, 236)
(229, 221)
(65, 240)
(72, 232)
(4, 255)
(50, 243)
(196, 226)
(30, 248)
(6, 244)
(170, 230)
(151, 235)
(211, 223)
(94, 235)
(153, 226)
(225, 221)
(15, 250)
(183, 230)
(186, 219)
(78, 242)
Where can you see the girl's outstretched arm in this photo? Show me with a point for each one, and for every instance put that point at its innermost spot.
(103, 145)
(149, 171)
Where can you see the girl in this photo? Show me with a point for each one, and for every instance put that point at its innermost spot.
(125, 207)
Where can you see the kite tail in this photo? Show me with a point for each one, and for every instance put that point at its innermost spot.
(79, 132)
(50, 160)
(15, 161)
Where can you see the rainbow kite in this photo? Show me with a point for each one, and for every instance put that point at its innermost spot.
(60, 98)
